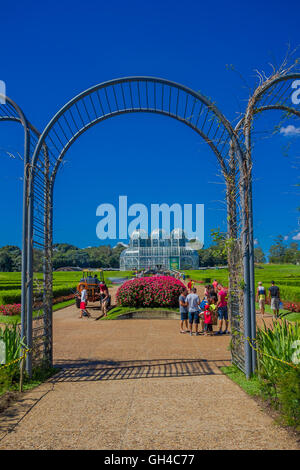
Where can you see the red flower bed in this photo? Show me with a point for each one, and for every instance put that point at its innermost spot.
(155, 291)
(10, 309)
(292, 307)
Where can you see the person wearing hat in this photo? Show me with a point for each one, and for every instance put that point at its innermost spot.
(261, 297)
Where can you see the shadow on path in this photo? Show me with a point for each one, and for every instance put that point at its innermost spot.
(88, 370)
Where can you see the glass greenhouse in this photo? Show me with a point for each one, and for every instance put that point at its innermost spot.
(159, 251)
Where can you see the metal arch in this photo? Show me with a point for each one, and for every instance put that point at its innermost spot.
(61, 132)
(21, 118)
(100, 86)
(18, 119)
(110, 83)
(26, 287)
(103, 118)
(246, 124)
(273, 81)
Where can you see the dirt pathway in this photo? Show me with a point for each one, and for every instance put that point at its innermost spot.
(137, 384)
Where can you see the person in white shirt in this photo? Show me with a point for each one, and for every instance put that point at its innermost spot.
(83, 302)
(193, 303)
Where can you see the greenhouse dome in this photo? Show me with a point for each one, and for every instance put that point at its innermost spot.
(160, 250)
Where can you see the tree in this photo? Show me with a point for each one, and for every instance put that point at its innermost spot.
(277, 251)
(292, 253)
(259, 256)
(5, 262)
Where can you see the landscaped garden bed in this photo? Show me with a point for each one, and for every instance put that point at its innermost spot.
(155, 291)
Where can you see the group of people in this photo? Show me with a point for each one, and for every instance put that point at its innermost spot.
(193, 310)
(273, 297)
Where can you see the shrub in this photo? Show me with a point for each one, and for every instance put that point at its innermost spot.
(289, 397)
(155, 291)
(10, 335)
(280, 382)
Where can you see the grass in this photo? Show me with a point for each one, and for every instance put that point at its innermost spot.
(292, 317)
(38, 377)
(251, 386)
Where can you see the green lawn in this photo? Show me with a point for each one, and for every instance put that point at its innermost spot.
(63, 283)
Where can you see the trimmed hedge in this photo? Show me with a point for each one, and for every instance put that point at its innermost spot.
(14, 296)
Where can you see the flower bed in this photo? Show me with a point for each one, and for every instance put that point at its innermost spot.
(155, 291)
(15, 309)
(10, 309)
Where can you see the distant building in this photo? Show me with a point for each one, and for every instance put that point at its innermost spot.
(160, 250)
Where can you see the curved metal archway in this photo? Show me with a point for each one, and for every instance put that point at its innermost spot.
(11, 112)
(274, 94)
(109, 99)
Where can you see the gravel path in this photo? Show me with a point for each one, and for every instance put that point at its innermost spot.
(137, 384)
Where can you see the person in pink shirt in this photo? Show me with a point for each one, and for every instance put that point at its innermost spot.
(222, 310)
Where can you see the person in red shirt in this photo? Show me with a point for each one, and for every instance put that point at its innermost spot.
(222, 310)
(208, 328)
(215, 285)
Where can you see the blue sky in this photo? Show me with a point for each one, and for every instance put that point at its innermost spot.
(50, 51)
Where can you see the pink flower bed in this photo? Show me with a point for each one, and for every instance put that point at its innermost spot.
(155, 291)
(10, 309)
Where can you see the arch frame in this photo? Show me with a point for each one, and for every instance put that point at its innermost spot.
(39, 163)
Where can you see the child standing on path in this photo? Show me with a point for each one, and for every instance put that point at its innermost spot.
(83, 299)
(208, 322)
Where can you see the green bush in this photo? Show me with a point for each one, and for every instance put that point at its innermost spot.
(10, 297)
(288, 393)
(280, 382)
(289, 293)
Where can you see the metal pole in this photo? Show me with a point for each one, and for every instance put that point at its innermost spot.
(29, 280)
(252, 282)
(46, 274)
(251, 245)
(24, 235)
(50, 268)
(245, 251)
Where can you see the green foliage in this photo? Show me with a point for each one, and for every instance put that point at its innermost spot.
(281, 253)
(280, 382)
(12, 340)
(278, 342)
(103, 256)
(216, 254)
(13, 344)
(288, 393)
(10, 258)
(259, 256)
(64, 254)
